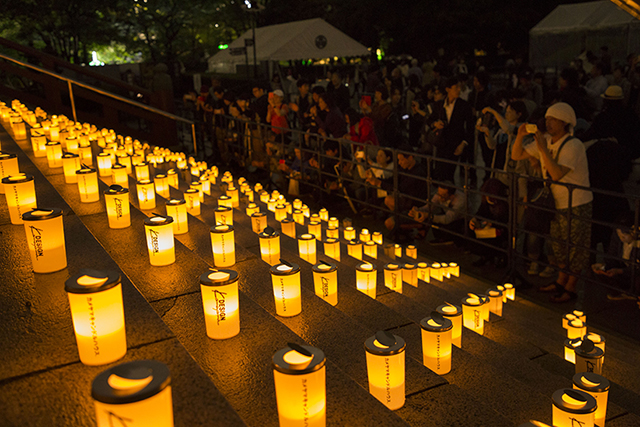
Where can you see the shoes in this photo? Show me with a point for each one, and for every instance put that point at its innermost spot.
(440, 242)
(553, 287)
(620, 297)
(565, 296)
(533, 269)
(548, 272)
(482, 261)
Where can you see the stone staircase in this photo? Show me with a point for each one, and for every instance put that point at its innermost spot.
(503, 378)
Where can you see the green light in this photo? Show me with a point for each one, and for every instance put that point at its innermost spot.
(223, 46)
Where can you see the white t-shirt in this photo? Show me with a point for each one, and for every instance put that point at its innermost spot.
(574, 156)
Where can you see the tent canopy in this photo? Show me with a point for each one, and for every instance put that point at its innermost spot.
(570, 29)
(307, 39)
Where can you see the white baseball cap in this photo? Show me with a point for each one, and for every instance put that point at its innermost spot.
(562, 111)
(279, 93)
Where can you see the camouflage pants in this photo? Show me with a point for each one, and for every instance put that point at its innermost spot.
(578, 237)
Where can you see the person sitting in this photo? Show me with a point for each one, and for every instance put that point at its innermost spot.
(488, 223)
(446, 211)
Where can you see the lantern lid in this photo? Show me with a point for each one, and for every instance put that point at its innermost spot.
(287, 220)
(366, 267)
(140, 164)
(449, 310)
(158, 220)
(436, 323)
(472, 301)
(38, 214)
(118, 166)
(131, 382)
(392, 266)
(268, 233)
(590, 381)
(103, 154)
(409, 266)
(88, 281)
(224, 197)
(574, 401)
(306, 236)
(258, 214)
(595, 338)
(116, 189)
(222, 209)
(196, 184)
(284, 269)
(298, 359)
(384, 343)
(17, 179)
(175, 202)
(324, 267)
(423, 265)
(508, 285)
(493, 292)
(572, 342)
(191, 191)
(222, 228)
(588, 350)
(370, 243)
(160, 176)
(145, 182)
(66, 156)
(330, 240)
(218, 277)
(171, 172)
(52, 143)
(435, 265)
(85, 170)
(7, 156)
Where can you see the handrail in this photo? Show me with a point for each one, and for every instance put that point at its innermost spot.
(71, 81)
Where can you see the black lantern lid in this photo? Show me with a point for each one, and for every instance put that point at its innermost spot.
(152, 377)
(39, 214)
(574, 401)
(67, 155)
(17, 179)
(367, 267)
(296, 359)
(85, 170)
(218, 277)
(141, 164)
(161, 176)
(221, 229)
(88, 281)
(223, 209)
(588, 350)
(118, 166)
(436, 323)
(384, 343)
(158, 220)
(269, 233)
(103, 154)
(145, 182)
(449, 310)
(192, 191)
(423, 265)
(354, 242)
(331, 240)
(493, 292)
(590, 381)
(258, 214)
(285, 268)
(53, 143)
(175, 202)
(116, 189)
(324, 267)
(7, 156)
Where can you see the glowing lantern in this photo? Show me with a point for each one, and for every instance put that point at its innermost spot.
(85, 153)
(104, 164)
(390, 251)
(142, 171)
(412, 252)
(192, 198)
(173, 178)
(332, 248)
(54, 132)
(124, 160)
(598, 387)
(454, 269)
(598, 341)
(484, 300)
(393, 277)
(71, 144)
(162, 186)
(333, 222)
(576, 329)
(423, 272)
(398, 250)
(70, 164)
(580, 315)
(116, 199)
(225, 201)
(8, 167)
(288, 207)
(264, 196)
(54, 154)
(159, 231)
(197, 185)
(88, 184)
(45, 238)
(288, 227)
(472, 315)
(573, 408)
(177, 209)
(270, 246)
(567, 318)
(134, 394)
(333, 232)
(315, 218)
(315, 228)
(453, 313)
(510, 291)
(258, 222)
(223, 215)
(504, 293)
(377, 237)
(444, 267)
(323, 214)
(146, 194)
(354, 249)
(349, 233)
(20, 193)
(251, 209)
(307, 248)
(386, 368)
(206, 185)
(305, 210)
(19, 129)
(436, 271)
(285, 278)
(371, 249)
(281, 212)
(366, 279)
(219, 290)
(223, 245)
(95, 298)
(570, 346)
(495, 301)
(297, 204)
(436, 343)
(38, 141)
(298, 217)
(271, 205)
(325, 280)
(410, 274)
(588, 357)
(299, 374)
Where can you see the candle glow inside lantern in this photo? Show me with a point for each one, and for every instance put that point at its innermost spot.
(315, 228)
(264, 196)
(138, 393)
(472, 315)
(141, 170)
(177, 209)
(95, 299)
(288, 227)
(410, 274)
(366, 279)
(219, 290)
(307, 247)
(436, 343)
(70, 164)
(9, 167)
(377, 237)
(323, 214)
(271, 204)
(354, 249)
(192, 199)
(412, 251)
(285, 278)
(223, 245)
(436, 271)
(393, 277)
(453, 313)
(371, 249)
(423, 272)
(281, 212)
(162, 185)
(325, 280)
(251, 209)
(45, 238)
(333, 232)
(570, 346)
(349, 233)
(299, 375)
(116, 199)
(298, 217)
(159, 232)
(332, 248)
(223, 215)
(54, 154)
(510, 291)
(20, 193)
(573, 408)
(598, 387)
(495, 301)
(385, 354)
(270, 246)
(88, 184)
(104, 164)
(576, 329)
(588, 357)
(146, 194)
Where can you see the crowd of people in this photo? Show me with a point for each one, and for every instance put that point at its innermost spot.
(581, 129)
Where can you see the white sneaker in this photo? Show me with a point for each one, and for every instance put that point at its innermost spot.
(533, 269)
(548, 272)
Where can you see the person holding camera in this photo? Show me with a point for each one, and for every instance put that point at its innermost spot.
(446, 211)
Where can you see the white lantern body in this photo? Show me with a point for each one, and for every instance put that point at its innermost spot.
(70, 164)
(472, 316)
(569, 412)
(307, 248)
(160, 241)
(45, 238)
(436, 344)
(116, 200)
(223, 215)
(270, 247)
(192, 199)
(104, 164)
(54, 154)
(258, 222)
(332, 248)
(366, 279)
(177, 209)
(371, 249)
(119, 175)
(410, 274)
(146, 194)
(393, 277)
(8, 167)
(219, 290)
(386, 371)
(88, 185)
(20, 193)
(288, 227)
(598, 387)
(223, 245)
(286, 289)
(325, 282)
(453, 313)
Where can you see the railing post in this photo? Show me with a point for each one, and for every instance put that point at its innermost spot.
(193, 136)
(395, 188)
(73, 102)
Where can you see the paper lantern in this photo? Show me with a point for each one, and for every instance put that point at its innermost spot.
(436, 271)
(454, 269)
(119, 175)
(567, 318)
(285, 278)
(412, 252)
(305, 211)
(288, 227)
(588, 357)
(580, 315)
(54, 154)
(270, 246)
(225, 201)
(88, 184)
(297, 204)
(125, 160)
(332, 232)
(365, 236)
(366, 279)
(45, 238)
(300, 380)
(177, 209)
(598, 387)
(192, 199)
(116, 199)
(160, 242)
(349, 233)
(436, 343)
(251, 209)
(315, 218)
(20, 192)
(424, 273)
(258, 222)
(386, 368)
(18, 129)
(307, 247)
(315, 228)
(323, 214)
(288, 207)
(172, 176)
(354, 249)
(197, 185)
(223, 245)
(271, 204)
(484, 304)
(298, 217)
(223, 215)
(390, 251)
(264, 196)
(95, 298)
(398, 250)
(325, 281)
(146, 194)
(206, 185)
(54, 132)
(332, 248)
(453, 313)
(573, 408)
(70, 164)
(510, 291)
(8, 167)
(495, 301)
(134, 394)
(162, 186)
(72, 144)
(104, 164)
(86, 154)
(570, 346)
(333, 222)
(504, 293)
(576, 329)
(38, 142)
(377, 237)
(281, 212)
(445, 270)
(472, 315)
(142, 171)
(410, 274)
(219, 290)
(371, 249)
(393, 277)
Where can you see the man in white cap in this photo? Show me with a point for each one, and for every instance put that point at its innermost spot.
(564, 160)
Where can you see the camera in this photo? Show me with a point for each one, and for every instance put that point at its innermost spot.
(531, 128)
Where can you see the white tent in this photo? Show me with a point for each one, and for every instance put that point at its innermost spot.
(570, 29)
(308, 39)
